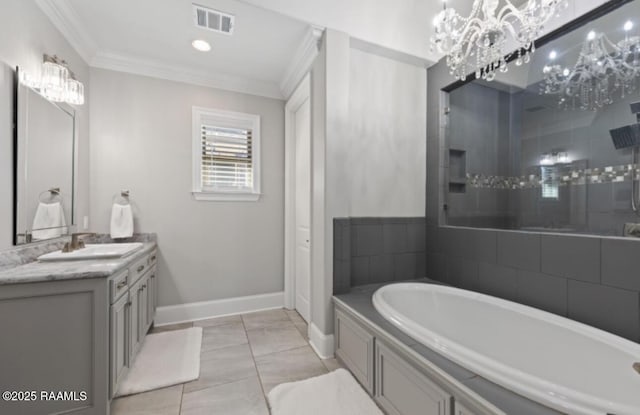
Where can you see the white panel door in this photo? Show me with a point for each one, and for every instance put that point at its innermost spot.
(303, 209)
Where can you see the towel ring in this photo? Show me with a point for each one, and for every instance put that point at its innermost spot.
(122, 198)
(54, 196)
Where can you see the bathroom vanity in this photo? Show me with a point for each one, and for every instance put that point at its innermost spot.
(75, 327)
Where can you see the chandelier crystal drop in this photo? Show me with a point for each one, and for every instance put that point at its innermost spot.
(477, 43)
(603, 70)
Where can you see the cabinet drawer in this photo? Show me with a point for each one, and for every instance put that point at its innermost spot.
(354, 346)
(402, 390)
(152, 258)
(119, 285)
(138, 269)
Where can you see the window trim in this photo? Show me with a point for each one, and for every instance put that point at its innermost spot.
(224, 119)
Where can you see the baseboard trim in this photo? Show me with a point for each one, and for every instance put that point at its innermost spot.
(322, 344)
(182, 313)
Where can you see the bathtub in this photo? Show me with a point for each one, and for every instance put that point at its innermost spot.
(562, 364)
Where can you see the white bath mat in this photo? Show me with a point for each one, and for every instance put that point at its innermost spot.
(165, 359)
(336, 393)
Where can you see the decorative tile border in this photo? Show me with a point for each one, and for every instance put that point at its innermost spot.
(564, 176)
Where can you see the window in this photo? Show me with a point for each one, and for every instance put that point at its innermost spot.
(549, 176)
(226, 155)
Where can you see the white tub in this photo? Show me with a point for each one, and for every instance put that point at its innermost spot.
(557, 362)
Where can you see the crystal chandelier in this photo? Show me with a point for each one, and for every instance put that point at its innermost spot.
(477, 43)
(603, 70)
(58, 83)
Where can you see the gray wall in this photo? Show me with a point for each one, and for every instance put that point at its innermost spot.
(368, 121)
(25, 35)
(377, 250)
(387, 126)
(141, 141)
(479, 125)
(589, 279)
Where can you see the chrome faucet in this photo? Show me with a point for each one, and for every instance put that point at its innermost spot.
(76, 242)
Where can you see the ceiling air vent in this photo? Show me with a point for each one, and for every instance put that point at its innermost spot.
(213, 20)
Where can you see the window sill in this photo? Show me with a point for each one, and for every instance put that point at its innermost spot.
(226, 197)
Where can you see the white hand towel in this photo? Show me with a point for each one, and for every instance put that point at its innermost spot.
(49, 221)
(121, 221)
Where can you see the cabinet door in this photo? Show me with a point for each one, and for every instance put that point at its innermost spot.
(402, 390)
(119, 347)
(144, 307)
(134, 320)
(354, 346)
(152, 296)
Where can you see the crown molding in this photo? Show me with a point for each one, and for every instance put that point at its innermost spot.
(302, 60)
(163, 70)
(64, 17)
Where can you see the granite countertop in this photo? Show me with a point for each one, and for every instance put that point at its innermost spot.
(71, 270)
(359, 300)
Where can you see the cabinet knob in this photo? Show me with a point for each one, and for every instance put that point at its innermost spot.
(140, 268)
(121, 284)
(153, 258)
(153, 276)
(144, 286)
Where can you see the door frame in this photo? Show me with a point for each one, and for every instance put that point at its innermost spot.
(301, 94)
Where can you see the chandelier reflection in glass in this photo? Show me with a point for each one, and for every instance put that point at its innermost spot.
(604, 70)
(478, 42)
(57, 83)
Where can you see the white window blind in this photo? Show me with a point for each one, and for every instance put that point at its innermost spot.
(226, 155)
(549, 177)
(227, 158)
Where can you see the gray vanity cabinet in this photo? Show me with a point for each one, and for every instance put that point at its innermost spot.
(133, 309)
(119, 334)
(151, 297)
(135, 319)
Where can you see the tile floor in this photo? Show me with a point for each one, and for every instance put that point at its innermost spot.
(242, 359)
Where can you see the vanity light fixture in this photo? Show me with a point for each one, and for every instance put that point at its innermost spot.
(57, 83)
(201, 45)
(478, 42)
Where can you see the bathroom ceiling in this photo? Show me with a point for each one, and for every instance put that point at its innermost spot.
(154, 38)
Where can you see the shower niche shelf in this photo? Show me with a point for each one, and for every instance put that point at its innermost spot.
(457, 171)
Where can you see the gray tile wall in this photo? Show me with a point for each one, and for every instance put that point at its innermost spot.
(589, 279)
(593, 280)
(375, 250)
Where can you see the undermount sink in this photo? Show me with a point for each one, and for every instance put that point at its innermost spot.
(93, 251)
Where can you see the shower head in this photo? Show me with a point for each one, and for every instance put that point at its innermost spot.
(625, 137)
(628, 136)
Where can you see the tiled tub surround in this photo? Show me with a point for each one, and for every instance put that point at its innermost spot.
(376, 250)
(454, 379)
(589, 279)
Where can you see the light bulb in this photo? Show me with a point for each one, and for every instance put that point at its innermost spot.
(553, 55)
(591, 35)
(628, 25)
(201, 45)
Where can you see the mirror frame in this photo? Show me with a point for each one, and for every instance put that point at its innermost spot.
(69, 110)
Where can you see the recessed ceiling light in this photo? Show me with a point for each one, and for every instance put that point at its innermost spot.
(201, 45)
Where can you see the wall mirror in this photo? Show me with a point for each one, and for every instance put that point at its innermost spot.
(44, 167)
(552, 146)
